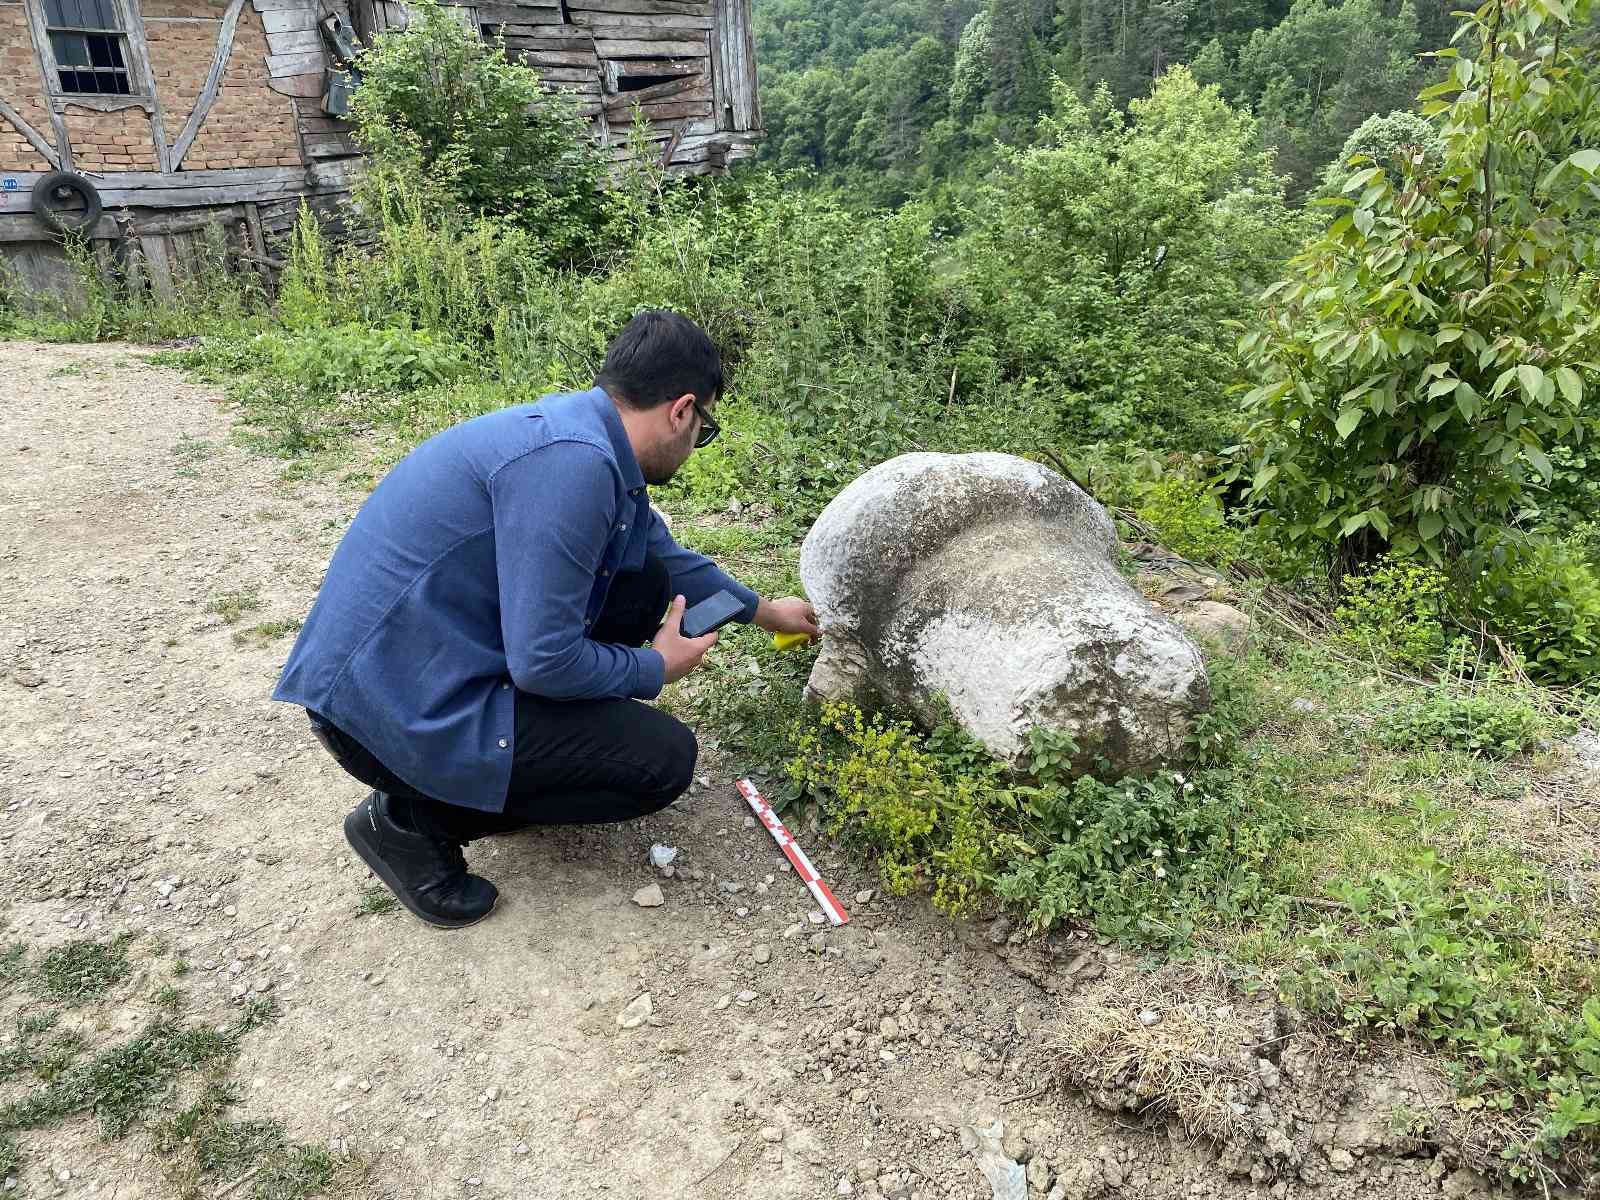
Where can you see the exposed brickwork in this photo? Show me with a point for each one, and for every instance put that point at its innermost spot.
(182, 8)
(20, 85)
(113, 141)
(250, 125)
(180, 56)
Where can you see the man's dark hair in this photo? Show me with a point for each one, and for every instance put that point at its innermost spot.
(658, 356)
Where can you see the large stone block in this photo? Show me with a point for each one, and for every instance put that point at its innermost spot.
(991, 581)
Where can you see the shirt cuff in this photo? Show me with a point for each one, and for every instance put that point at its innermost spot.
(750, 599)
(650, 674)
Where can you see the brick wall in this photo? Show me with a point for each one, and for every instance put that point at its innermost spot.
(20, 85)
(250, 125)
(212, 9)
(113, 141)
(180, 56)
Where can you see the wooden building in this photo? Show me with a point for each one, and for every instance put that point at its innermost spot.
(165, 117)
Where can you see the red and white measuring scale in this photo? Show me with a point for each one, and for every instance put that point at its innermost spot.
(831, 908)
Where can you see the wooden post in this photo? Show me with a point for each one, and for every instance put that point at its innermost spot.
(252, 218)
(159, 263)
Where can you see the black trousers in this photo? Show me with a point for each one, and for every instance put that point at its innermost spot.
(577, 761)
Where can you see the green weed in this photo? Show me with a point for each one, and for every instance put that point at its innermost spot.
(266, 632)
(231, 606)
(83, 971)
(376, 900)
(13, 962)
(1491, 724)
(206, 1148)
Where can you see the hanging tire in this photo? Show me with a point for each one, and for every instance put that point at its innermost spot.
(53, 202)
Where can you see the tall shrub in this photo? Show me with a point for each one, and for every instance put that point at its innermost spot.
(437, 100)
(1434, 343)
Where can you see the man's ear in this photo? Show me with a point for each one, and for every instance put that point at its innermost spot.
(681, 409)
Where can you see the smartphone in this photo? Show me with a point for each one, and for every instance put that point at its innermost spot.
(711, 613)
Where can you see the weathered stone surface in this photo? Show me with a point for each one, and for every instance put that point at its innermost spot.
(1209, 620)
(991, 581)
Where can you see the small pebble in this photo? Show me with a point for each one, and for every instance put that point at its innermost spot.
(649, 896)
(763, 954)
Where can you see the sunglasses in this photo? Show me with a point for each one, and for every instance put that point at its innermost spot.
(708, 427)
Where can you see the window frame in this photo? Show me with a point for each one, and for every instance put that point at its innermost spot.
(141, 92)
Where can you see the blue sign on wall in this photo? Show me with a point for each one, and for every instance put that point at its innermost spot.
(9, 184)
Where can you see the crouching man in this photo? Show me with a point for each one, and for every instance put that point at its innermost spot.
(477, 652)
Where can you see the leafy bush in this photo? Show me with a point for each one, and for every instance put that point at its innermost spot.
(437, 99)
(1189, 520)
(1144, 860)
(1109, 258)
(361, 358)
(1492, 724)
(1432, 343)
(1545, 601)
(1396, 612)
(928, 825)
(1147, 860)
(1456, 962)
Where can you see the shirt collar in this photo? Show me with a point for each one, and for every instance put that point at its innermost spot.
(632, 477)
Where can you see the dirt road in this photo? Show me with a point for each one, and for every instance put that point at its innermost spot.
(150, 786)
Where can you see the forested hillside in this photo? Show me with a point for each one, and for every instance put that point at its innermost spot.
(890, 99)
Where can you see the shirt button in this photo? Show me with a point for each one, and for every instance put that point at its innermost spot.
(502, 743)
(504, 686)
(604, 572)
(587, 621)
(622, 528)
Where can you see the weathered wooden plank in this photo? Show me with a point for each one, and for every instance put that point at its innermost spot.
(668, 110)
(699, 8)
(645, 48)
(552, 30)
(590, 87)
(641, 25)
(536, 45)
(159, 263)
(25, 227)
(553, 58)
(252, 218)
(208, 92)
(132, 181)
(307, 86)
(685, 87)
(315, 122)
(748, 94)
(288, 20)
(618, 69)
(326, 151)
(565, 75)
(184, 222)
(281, 66)
(519, 14)
(294, 41)
(266, 6)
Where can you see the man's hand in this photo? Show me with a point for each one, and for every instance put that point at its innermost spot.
(681, 654)
(789, 615)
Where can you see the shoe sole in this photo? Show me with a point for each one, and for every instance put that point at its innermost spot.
(355, 831)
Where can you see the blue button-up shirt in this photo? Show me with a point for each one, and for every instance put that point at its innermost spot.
(476, 566)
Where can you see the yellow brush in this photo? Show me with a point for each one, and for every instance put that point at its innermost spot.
(790, 641)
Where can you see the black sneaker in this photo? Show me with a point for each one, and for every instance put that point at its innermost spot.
(427, 874)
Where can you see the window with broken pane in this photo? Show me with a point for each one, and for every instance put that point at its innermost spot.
(90, 47)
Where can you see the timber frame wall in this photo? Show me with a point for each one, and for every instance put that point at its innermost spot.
(223, 120)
